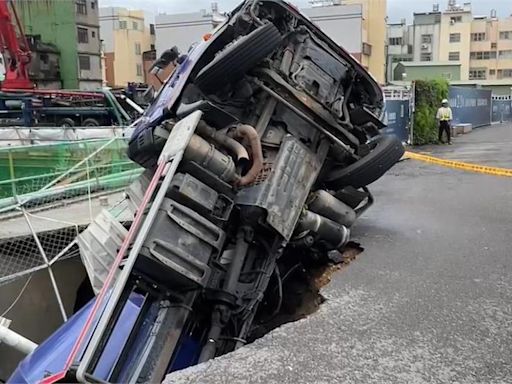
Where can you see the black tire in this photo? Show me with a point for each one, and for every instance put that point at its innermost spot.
(66, 122)
(90, 123)
(231, 64)
(365, 171)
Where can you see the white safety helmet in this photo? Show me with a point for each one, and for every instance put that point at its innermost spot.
(445, 101)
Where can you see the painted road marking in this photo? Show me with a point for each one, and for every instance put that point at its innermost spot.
(460, 165)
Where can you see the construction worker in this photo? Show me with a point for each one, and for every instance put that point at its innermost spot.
(444, 117)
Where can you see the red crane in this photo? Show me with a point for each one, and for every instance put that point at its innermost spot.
(16, 68)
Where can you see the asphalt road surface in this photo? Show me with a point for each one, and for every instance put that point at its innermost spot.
(428, 301)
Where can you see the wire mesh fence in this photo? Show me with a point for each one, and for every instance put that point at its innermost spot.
(49, 194)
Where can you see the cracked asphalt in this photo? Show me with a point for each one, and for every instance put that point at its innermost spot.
(428, 301)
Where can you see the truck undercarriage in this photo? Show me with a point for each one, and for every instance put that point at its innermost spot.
(259, 162)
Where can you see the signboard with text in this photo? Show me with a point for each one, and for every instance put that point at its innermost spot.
(470, 105)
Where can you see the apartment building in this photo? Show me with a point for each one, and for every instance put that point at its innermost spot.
(399, 46)
(455, 39)
(126, 36)
(426, 36)
(481, 44)
(71, 26)
(490, 49)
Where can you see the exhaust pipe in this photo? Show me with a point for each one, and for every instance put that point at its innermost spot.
(205, 154)
(331, 234)
(233, 146)
(327, 205)
(248, 132)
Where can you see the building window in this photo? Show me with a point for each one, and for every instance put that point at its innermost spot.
(139, 69)
(44, 58)
(152, 47)
(479, 36)
(492, 72)
(83, 35)
(84, 63)
(137, 49)
(453, 56)
(506, 35)
(93, 5)
(477, 74)
(494, 45)
(151, 29)
(446, 75)
(93, 33)
(455, 19)
(454, 37)
(506, 54)
(122, 24)
(81, 7)
(135, 25)
(426, 39)
(426, 57)
(504, 73)
(395, 41)
(484, 55)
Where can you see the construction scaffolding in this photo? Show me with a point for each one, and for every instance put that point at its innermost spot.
(49, 194)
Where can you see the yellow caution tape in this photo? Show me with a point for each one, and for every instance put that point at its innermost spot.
(460, 165)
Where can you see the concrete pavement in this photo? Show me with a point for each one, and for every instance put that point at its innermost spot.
(428, 301)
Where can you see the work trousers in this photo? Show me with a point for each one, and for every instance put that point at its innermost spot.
(444, 126)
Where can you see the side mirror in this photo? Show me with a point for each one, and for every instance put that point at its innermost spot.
(166, 58)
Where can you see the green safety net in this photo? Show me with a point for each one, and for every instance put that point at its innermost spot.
(41, 173)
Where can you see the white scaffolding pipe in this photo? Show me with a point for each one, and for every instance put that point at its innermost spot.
(16, 341)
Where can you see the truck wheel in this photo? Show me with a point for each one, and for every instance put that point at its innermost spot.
(66, 122)
(90, 123)
(365, 171)
(231, 64)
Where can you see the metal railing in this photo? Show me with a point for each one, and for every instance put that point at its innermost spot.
(17, 135)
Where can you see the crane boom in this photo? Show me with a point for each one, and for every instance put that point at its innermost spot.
(16, 76)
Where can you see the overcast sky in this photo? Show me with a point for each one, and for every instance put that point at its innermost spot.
(397, 9)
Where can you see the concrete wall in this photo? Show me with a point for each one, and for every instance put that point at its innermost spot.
(108, 19)
(44, 68)
(342, 23)
(501, 90)
(91, 79)
(376, 27)
(374, 34)
(36, 315)
(181, 30)
(427, 72)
